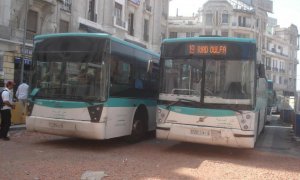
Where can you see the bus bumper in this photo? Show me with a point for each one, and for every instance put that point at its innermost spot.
(69, 128)
(206, 135)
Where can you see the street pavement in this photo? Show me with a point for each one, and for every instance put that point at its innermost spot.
(278, 137)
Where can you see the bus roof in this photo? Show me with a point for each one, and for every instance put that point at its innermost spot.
(210, 38)
(96, 35)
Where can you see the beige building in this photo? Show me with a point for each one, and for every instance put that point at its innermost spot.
(143, 22)
(277, 47)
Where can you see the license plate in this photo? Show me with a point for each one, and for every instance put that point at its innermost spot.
(200, 132)
(56, 125)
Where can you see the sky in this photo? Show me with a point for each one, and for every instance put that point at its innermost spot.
(286, 12)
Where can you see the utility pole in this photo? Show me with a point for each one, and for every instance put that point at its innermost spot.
(24, 42)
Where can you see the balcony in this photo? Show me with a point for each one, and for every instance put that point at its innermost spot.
(44, 3)
(119, 23)
(274, 51)
(268, 68)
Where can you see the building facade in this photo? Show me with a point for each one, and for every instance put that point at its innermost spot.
(143, 22)
(276, 47)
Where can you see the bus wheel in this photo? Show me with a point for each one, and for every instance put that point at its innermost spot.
(139, 127)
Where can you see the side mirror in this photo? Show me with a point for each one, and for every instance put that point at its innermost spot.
(261, 71)
(150, 66)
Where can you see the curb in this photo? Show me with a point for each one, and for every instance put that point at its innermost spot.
(17, 127)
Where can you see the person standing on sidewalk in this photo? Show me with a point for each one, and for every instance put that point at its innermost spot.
(22, 95)
(7, 97)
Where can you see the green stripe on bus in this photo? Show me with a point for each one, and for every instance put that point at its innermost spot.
(62, 104)
(112, 102)
(129, 102)
(200, 111)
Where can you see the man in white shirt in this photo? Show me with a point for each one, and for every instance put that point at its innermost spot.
(7, 97)
(22, 93)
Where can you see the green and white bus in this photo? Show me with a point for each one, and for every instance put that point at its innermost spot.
(212, 91)
(93, 86)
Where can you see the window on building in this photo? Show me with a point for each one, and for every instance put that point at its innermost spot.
(280, 80)
(130, 24)
(190, 34)
(286, 81)
(118, 11)
(274, 79)
(32, 21)
(63, 26)
(67, 5)
(242, 21)
(91, 14)
(208, 19)
(146, 30)
(173, 35)
(147, 6)
(225, 18)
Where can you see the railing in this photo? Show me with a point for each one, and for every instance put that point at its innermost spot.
(268, 68)
(275, 69)
(273, 50)
(30, 35)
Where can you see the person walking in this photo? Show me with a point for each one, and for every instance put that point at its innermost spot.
(7, 97)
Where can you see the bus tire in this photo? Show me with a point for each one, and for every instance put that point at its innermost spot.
(139, 125)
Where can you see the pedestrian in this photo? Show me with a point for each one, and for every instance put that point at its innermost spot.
(7, 97)
(22, 94)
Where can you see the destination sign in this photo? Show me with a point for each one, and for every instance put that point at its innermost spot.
(207, 49)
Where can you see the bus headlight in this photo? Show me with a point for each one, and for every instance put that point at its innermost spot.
(245, 120)
(95, 112)
(161, 115)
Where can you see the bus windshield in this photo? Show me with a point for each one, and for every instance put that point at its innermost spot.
(70, 68)
(208, 81)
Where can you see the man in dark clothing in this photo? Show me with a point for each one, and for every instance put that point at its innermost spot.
(7, 97)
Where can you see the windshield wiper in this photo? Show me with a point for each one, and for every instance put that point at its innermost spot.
(181, 100)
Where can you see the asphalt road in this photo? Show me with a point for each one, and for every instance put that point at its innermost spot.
(32, 155)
